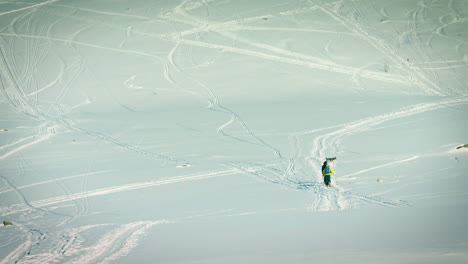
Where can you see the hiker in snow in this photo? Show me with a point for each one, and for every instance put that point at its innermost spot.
(327, 172)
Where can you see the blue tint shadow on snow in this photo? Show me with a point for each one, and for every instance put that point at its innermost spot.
(306, 185)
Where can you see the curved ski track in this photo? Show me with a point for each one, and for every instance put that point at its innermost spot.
(82, 246)
(180, 14)
(13, 88)
(309, 147)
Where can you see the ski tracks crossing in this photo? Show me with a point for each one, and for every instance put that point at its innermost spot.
(309, 147)
(323, 144)
(327, 144)
(76, 245)
(82, 245)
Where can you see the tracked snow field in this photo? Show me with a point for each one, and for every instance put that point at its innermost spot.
(194, 131)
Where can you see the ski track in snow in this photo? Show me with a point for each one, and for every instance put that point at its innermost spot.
(115, 244)
(206, 92)
(180, 14)
(365, 32)
(327, 144)
(13, 92)
(309, 159)
(309, 147)
(115, 189)
(29, 7)
(284, 56)
(82, 246)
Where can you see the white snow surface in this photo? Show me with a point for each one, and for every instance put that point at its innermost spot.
(194, 131)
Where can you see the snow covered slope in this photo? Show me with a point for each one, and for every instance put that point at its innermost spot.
(194, 131)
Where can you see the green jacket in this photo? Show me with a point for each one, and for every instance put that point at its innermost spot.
(327, 171)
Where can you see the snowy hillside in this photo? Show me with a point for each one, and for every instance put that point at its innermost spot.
(194, 131)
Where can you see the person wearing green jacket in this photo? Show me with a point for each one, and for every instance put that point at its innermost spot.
(326, 173)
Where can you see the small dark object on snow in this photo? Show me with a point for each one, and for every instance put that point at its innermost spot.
(385, 67)
(265, 18)
(331, 159)
(463, 146)
(7, 223)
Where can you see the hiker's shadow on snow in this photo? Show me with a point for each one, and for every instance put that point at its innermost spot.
(307, 185)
